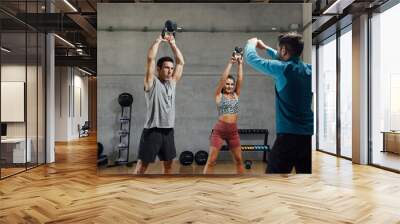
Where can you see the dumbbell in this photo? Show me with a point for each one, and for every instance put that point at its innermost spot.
(124, 119)
(123, 132)
(122, 145)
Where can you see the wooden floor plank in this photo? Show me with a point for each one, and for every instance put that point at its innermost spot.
(70, 191)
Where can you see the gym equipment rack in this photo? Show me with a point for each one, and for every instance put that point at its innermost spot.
(254, 148)
(124, 135)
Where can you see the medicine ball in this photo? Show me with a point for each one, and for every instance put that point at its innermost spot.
(186, 158)
(125, 99)
(201, 157)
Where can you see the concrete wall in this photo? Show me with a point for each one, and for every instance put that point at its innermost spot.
(211, 32)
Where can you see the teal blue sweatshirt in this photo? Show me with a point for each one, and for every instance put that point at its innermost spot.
(293, 96)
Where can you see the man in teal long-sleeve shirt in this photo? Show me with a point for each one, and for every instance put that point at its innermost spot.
(294, 117)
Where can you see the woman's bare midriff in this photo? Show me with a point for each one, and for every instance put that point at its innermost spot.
(228, 118)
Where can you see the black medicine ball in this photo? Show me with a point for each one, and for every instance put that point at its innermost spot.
(186, 158)
(201, 157)
(125, 99)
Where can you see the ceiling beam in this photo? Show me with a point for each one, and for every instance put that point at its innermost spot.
(83, 23)
(85, 61)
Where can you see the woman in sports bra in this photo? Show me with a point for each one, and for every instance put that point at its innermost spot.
(227, 99)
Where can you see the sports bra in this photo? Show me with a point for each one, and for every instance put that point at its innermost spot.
(228, 106)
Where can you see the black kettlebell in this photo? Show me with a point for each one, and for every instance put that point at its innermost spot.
(170, 28)
(201, 157)
(186, 158)
(237, 52)
(247, 164)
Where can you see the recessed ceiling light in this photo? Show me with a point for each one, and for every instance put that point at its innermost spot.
(273, 28)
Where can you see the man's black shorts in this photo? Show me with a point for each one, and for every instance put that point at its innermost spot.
(157, 142)
(290, 151)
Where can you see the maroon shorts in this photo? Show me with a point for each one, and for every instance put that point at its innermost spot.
(223, 131)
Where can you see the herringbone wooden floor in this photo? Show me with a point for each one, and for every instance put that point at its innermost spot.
(70, 191)
(222, 168)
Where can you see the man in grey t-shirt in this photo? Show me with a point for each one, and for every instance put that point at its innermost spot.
(158, 134)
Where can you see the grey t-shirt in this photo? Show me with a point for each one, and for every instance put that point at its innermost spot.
(160, 101)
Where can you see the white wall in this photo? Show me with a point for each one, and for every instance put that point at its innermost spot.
(70, 83)
(79, 117)
(33, 126)
(61, 103)
(16, 73)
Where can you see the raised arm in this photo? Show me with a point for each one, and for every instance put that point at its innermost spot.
(272, 68)
(239, 75)
(151, 64)
(269, 50)
(224, 76)
(178, 58)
